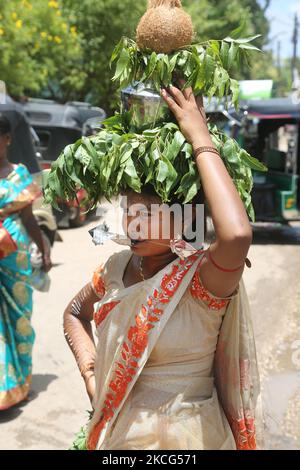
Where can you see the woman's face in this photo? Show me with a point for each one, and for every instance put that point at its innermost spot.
(4, 143)
(148, 223)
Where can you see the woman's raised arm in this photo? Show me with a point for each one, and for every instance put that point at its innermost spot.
(222, 270)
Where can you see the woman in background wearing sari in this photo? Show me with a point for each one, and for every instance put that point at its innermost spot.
(17, 227)
(175, 364)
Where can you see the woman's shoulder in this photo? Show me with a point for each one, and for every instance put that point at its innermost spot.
(110, 269)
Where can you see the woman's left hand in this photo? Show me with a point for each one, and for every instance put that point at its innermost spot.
(47, 263)
(189, 113)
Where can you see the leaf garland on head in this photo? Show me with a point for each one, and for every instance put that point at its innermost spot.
(121, 156)
(204, 66)
(116, 159)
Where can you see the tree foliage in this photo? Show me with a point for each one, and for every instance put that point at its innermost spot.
(38, 48)
(62, 48)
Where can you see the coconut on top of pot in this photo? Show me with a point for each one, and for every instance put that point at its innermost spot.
(164, 27)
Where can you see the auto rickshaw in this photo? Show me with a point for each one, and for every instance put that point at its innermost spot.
(58, 125)
(270, 132)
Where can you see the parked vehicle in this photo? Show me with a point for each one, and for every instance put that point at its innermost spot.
(270, 132)
(57, 126)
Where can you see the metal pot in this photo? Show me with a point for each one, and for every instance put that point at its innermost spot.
(145, 104)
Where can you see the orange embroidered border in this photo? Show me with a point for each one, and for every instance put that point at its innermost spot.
(137, 341)
(244, 432)
(98, 282)
(198, 291)
(103, 311)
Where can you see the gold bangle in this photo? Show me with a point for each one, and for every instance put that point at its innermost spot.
(205, 149)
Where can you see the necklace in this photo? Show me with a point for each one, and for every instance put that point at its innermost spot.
(141, 268)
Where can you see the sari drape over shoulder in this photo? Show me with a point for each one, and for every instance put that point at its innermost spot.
(167, 354)
(16, 333)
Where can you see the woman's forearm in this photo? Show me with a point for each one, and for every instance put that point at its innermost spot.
(227, 210)
(32, 227)
(79, 336)
(78, 329)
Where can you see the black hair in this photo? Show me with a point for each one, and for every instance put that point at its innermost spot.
(5, 127)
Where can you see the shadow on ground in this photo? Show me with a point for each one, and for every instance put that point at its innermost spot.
(40, 383)
(276, 235)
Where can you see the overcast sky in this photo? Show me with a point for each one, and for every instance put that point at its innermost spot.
(281, 15)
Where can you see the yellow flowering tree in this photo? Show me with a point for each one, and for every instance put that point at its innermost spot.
(39, 48)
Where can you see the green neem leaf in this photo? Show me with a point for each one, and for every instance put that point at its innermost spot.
(125, 153)
(175, 146)
(252, 162)
(221, 78)
(151, 132)
(116, 51)
(232, 54)
(162, 171)
(215, 47)
(116, 139)
(234, 87)
(242, 40)
(246, 40)
(244, 56)
(209, 67)
(112, 122)
(191, 192)
(130, 169)
(121, 64)
(191, 80)
(249, 47)
(173, 61)
(224, 54)
(229, 151)
(151, 65)
(134, 183)
(171, 126)
(251, 213)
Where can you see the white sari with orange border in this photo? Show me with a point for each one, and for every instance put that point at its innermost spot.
(176, 366)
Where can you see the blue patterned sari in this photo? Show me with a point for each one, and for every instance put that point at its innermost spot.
(16, 333)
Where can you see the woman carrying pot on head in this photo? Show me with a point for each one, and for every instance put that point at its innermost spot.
(173, 359)
(175, 364)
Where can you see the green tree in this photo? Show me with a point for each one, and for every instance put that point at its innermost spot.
(37, 46)
(101, 24)
(62, 48)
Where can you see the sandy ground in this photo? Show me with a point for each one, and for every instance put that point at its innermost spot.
(58, 403)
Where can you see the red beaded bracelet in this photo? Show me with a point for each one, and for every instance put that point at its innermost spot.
(247, 261)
